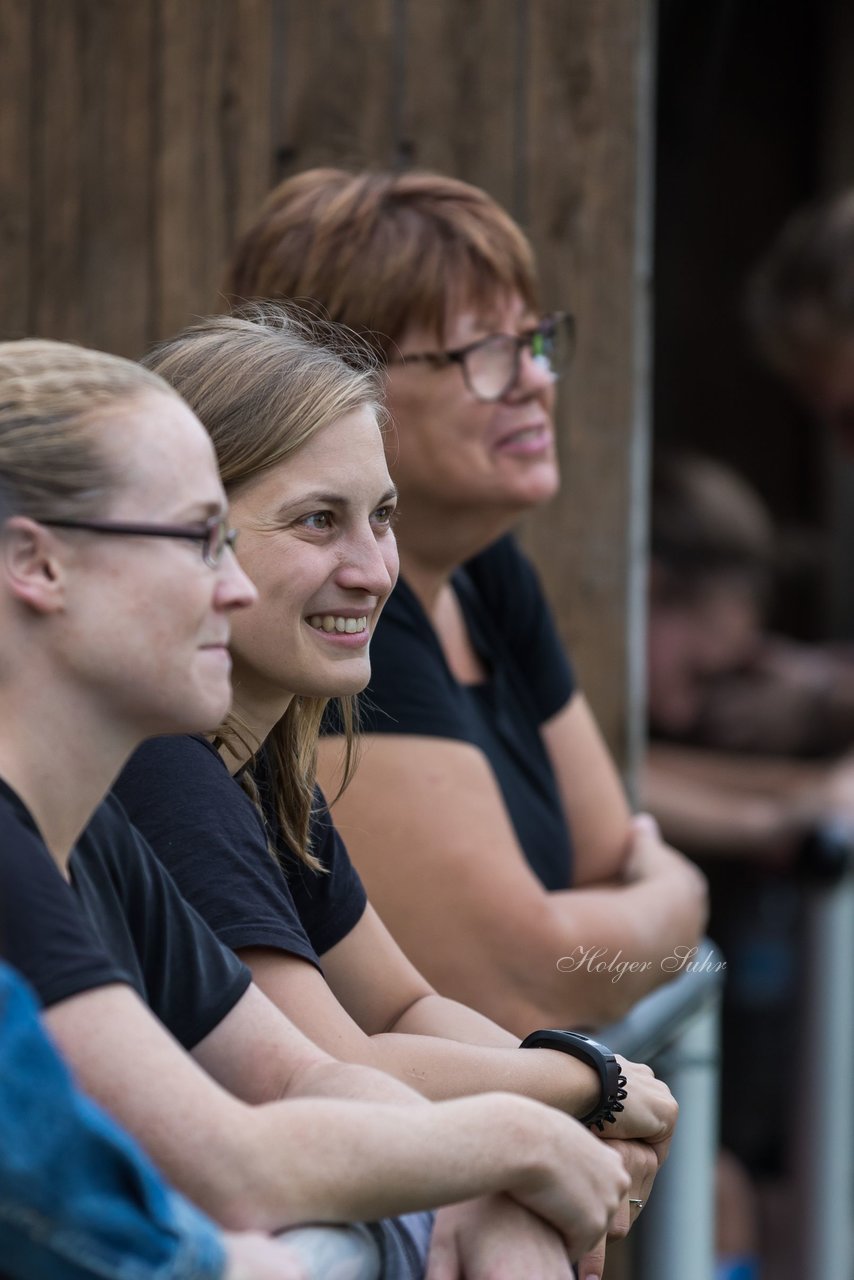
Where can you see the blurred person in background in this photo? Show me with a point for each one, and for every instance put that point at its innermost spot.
(740, 761)
(752, 818)
(800, 307)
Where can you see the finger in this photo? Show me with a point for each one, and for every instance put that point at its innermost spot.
(645, 824)
(592, 1264)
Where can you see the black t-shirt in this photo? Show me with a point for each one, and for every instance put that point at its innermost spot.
(209, 834)
(121, 919)
(413, 691)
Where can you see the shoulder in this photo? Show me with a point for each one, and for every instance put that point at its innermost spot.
(45, 932)
(505, 604)
(506, 580)
(178, 792)
(174, 761)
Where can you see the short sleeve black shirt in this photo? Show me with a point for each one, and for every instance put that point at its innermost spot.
(529, 679)
(120, 919)
(212, 838)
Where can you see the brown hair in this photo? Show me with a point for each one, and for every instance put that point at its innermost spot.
(708, 524)
(263, 383)
(382, 251)
(53, 396)
(801, 294)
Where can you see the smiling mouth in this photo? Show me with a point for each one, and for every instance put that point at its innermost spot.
(334, 622)
(534, 431)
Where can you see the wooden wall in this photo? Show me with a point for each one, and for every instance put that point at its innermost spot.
(138, 136)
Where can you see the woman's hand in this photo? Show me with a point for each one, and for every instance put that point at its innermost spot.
(650, 1110)
(481, 1239)
(649, 858)
(642, 1161)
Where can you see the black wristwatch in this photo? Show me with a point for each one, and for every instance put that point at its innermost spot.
(599, 1057)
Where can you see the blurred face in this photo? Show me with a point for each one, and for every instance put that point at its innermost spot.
(826, 381)
(456, 452)
(689, 645)
(148, 622)
(316, 538)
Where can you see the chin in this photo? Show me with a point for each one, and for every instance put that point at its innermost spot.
(345, 679)
(540, 485)
(208, 712)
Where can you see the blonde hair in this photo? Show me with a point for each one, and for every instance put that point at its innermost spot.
(264, 382)
(381, 252)
(53, 400)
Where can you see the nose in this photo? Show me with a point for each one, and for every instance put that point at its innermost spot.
(234, 589)
(369, 563)
(535, 376)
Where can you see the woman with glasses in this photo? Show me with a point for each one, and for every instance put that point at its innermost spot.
(118, 589)
(486, 816)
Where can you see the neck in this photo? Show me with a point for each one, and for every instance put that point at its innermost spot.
(257, 710)
(61, 759)
(433, 546)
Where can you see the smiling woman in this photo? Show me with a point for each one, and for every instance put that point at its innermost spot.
(293, 400)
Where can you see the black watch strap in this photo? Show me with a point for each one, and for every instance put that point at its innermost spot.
(612, 1083)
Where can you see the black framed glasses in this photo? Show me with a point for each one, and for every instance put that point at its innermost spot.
(214, 534)
(491, 365)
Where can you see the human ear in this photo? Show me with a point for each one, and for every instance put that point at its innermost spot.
(32, 566)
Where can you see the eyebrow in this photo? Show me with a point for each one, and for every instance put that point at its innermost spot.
(324, 499)
(213, 507)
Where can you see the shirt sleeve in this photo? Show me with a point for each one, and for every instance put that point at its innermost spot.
(192, 979)
(212, 839)
(329, 905)
(513, 598)
(44, 931)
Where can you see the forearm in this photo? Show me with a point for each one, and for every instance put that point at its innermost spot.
(442, 1069)
(621, 934)
(710, 820)
(356, 1082)
(595, 953)
(435, 1015)
(772, 776)
(297, 1159)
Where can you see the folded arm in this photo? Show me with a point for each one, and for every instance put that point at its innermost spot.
(428, 829)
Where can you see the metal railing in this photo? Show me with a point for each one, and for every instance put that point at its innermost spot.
(335, 1253)
(823, 1123)
(677, 1030)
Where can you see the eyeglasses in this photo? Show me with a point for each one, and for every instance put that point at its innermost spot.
(214, 534)
(491, 365)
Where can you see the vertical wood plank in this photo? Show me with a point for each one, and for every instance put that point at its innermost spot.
(337, 100)
(116, 175)
(213, 151)
(460, 99)
(16, 77)
(91, 164)
(584, 171)
(58, 160)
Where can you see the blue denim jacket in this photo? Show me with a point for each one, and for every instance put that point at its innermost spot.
(78, 1199)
